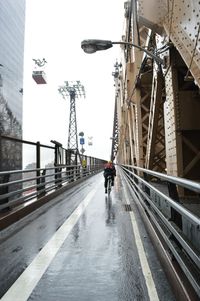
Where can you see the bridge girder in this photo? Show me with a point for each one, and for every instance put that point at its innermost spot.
(158, 106)
(176, 21)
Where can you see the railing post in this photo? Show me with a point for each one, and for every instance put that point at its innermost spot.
(4, 190)
(43, 180)
(146, 188)
(69, 167)
(58, 170)
(91, 165)
(58, 177)
(38, 164)
(173, 193)
(84, 166)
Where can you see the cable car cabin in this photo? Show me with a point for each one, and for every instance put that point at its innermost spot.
(39, 77)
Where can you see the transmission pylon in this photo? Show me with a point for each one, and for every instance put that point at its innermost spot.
(72, 90)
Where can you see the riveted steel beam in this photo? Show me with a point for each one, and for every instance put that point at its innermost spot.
(155, 155)
(182, 122)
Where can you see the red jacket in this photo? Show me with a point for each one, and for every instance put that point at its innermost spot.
(109, 169)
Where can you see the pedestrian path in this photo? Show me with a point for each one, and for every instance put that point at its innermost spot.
(101, 252)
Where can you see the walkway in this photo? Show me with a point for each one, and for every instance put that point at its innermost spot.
(86, 247)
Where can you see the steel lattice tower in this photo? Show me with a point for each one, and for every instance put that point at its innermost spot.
(72, 90)
(115, 135)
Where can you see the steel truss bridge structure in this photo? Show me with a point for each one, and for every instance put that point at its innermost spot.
(156, 127)
(158, 105)
(155, 145)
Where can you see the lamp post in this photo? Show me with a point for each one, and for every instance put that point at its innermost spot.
(91, 46)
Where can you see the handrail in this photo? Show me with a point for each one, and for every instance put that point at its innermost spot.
(24, 141)
(12, 191)
(189, 184)
(32, 170)
(173, 203)
(176, 224)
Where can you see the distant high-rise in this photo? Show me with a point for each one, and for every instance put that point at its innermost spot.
(12, 29)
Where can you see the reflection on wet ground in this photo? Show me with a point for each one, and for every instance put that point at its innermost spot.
(99, 259)
(110, 211)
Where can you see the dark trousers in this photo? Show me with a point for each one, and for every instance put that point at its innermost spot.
(106, 180)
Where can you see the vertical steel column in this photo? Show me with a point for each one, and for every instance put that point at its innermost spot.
(182, 123)
(155, 154)
(38, 164)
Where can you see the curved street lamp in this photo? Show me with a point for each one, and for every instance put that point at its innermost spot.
(91, 46)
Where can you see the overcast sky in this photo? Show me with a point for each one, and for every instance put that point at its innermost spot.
(54, 31)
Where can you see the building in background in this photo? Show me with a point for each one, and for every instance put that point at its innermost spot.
(12, 24)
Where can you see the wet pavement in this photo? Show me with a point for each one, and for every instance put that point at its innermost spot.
(94, 254)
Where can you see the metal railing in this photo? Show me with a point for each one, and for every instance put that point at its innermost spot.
(24, 185)
(178, 226)
(34, 187)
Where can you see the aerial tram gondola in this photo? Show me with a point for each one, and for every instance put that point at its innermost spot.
(90, 142)
(39, 75)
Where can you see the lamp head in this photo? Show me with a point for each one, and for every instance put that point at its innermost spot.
(91, 46)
